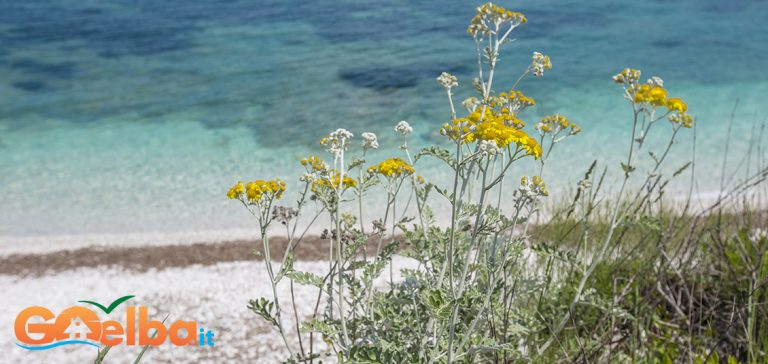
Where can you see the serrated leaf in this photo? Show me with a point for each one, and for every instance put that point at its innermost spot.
(305, 278)
(439, 153)
(355, 163)
(263, 307)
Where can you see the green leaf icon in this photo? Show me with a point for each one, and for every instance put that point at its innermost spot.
(112, 306)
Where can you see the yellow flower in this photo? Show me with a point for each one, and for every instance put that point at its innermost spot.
(654, 95)
(493, 129)
(461, 130)
(236, 191)
(501, 127)
(676, 104)
(504, 136)
(257, 190)
(333, 182)
(658, 96)
(531, 146)
(556, 123)
(515, 95)
(513, 99)
(489, 14)
(393, 167)
(314, 164)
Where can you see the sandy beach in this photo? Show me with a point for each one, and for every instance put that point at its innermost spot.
(210, 283)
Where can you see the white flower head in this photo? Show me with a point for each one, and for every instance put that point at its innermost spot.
(656, 81)
(488, 147)
(308, 177)
(489, 15)
(370, 141)
(533, 187)
(540, 63)
(403, 128)
(336, 142)
(447, 80)
(628, 76)
(471, 103)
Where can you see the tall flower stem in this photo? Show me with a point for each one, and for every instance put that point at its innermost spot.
(273, 283)
(339, 251)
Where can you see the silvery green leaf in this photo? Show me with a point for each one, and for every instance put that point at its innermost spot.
(305, 278)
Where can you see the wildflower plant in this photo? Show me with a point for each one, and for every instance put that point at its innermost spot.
(474, 296)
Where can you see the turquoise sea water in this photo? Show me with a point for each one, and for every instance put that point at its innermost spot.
(135, 116)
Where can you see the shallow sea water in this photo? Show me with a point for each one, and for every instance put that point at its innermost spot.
(134, 117)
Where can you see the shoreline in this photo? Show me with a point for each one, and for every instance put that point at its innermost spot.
(160, 257)
(48, 254)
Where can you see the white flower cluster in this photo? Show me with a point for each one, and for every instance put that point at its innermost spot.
(336, 142)
(370, 141)
(447, 80)
(680, 118)
(471, 103)
(490, 14)
(403, 128)
(627, 76)
(533, 187)
(488, 147)
(540, 63)
(308, 177)
(656, 81)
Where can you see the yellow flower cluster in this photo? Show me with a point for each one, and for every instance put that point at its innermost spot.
(514, 100)
(503, 116)
(334, 181)
(393, 167)
(657, 96)
(314, 163)
(256, 190)
(518, 97)
(501, 127)
(461, 130)
(236, 191)
(490, 13)
(504, 136)
(653, 95)
(270, 189)
(652, 92)
(555, 123)
(676, 104)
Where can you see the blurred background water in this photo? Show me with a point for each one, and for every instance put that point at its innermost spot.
(135, 116)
